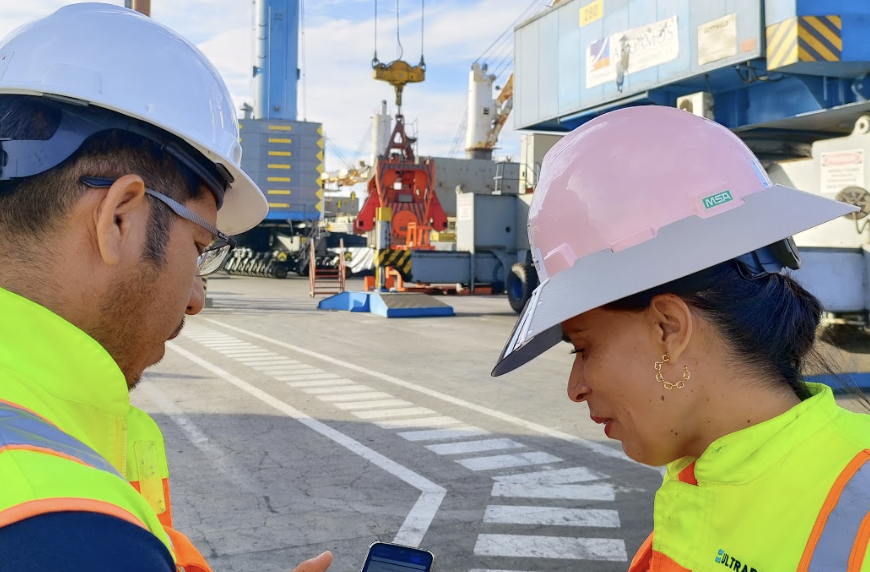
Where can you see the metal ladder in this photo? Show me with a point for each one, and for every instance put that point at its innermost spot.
(326, 281)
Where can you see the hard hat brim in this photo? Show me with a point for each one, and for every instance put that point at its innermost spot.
(244, 204)
(678, 250)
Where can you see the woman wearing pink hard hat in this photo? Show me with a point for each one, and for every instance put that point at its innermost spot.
(661, 244)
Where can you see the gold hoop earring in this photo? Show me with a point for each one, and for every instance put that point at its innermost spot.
(668, 385)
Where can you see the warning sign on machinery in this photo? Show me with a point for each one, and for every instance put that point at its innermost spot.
(841, 169)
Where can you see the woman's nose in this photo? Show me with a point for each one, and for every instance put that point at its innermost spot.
(577, 388)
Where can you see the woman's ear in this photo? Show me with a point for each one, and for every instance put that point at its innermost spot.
(673, 323)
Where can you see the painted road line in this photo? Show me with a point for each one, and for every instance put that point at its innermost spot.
(551, 516)
(521, 546)
(554, 476)
(441, 434)
(599, 448)
(339, 388)
(284, 372)
(555, 484)
(420, 517)
(599, 492)
(387, 413)
(357, 397)
(264, 360)
(372, 404)
(290, 367)
(297, 369)
(307, 376)
(247, 352)
(474, 446)
(286, 375)
(316, 382)
(508, 461)
(255, 362)
(285, 363)
(440, 421)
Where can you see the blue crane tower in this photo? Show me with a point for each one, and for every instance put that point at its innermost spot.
(276, 70)
(283, 155)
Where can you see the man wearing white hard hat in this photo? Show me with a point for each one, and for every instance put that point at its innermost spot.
(663, 250)
(120, 187)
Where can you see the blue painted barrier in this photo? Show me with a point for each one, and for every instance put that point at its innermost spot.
(421, 307)
(841, 383)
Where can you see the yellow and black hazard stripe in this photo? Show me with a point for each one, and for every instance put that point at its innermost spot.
(804, 39)
(400, 260)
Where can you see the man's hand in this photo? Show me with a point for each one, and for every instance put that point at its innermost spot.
(318, 564)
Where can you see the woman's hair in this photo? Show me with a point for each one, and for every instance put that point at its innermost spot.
(769, 322)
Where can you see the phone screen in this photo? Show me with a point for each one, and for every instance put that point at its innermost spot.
(383, 557)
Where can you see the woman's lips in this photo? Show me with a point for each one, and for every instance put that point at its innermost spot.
(606, 421)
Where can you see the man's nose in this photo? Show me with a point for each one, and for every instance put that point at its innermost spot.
(197, 297)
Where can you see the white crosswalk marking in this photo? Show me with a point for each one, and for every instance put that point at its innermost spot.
(474, 446)
(508, 461)
(601, 492)
(287, 364)
(357, 397)
(553, 476)
(239, 353)
(300, 376)
(316, 382)
(440, 434)
(339, 389)
(551, 516)
(373, 404)
(565, 548)
(446, 435)
(259, 366)
(440, 421)
(554, 484)
(385, 414)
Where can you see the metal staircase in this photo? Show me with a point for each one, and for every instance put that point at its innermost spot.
(326, 281)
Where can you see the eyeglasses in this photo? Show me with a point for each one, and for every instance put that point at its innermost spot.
(214, 255)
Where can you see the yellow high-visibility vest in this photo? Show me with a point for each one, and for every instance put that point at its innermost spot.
(69, 438)
(790, 494)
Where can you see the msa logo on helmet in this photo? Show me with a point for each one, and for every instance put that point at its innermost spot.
(717, 199)
(732, 564)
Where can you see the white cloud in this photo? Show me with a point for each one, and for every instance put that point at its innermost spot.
(340, 91)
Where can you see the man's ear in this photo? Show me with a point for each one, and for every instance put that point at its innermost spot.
(120, 218)
(673, 323)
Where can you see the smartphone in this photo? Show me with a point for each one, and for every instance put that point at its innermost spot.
(385, 557)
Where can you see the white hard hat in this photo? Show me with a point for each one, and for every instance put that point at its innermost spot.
(117, 59)
(643, 196)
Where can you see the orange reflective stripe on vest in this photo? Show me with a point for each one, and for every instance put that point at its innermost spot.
(648, 560)
(187, 557)
(838, 541)
(23, 429)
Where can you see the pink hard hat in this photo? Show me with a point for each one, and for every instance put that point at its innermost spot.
(637, 198)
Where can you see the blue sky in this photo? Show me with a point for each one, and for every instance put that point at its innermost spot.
(339, 42)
